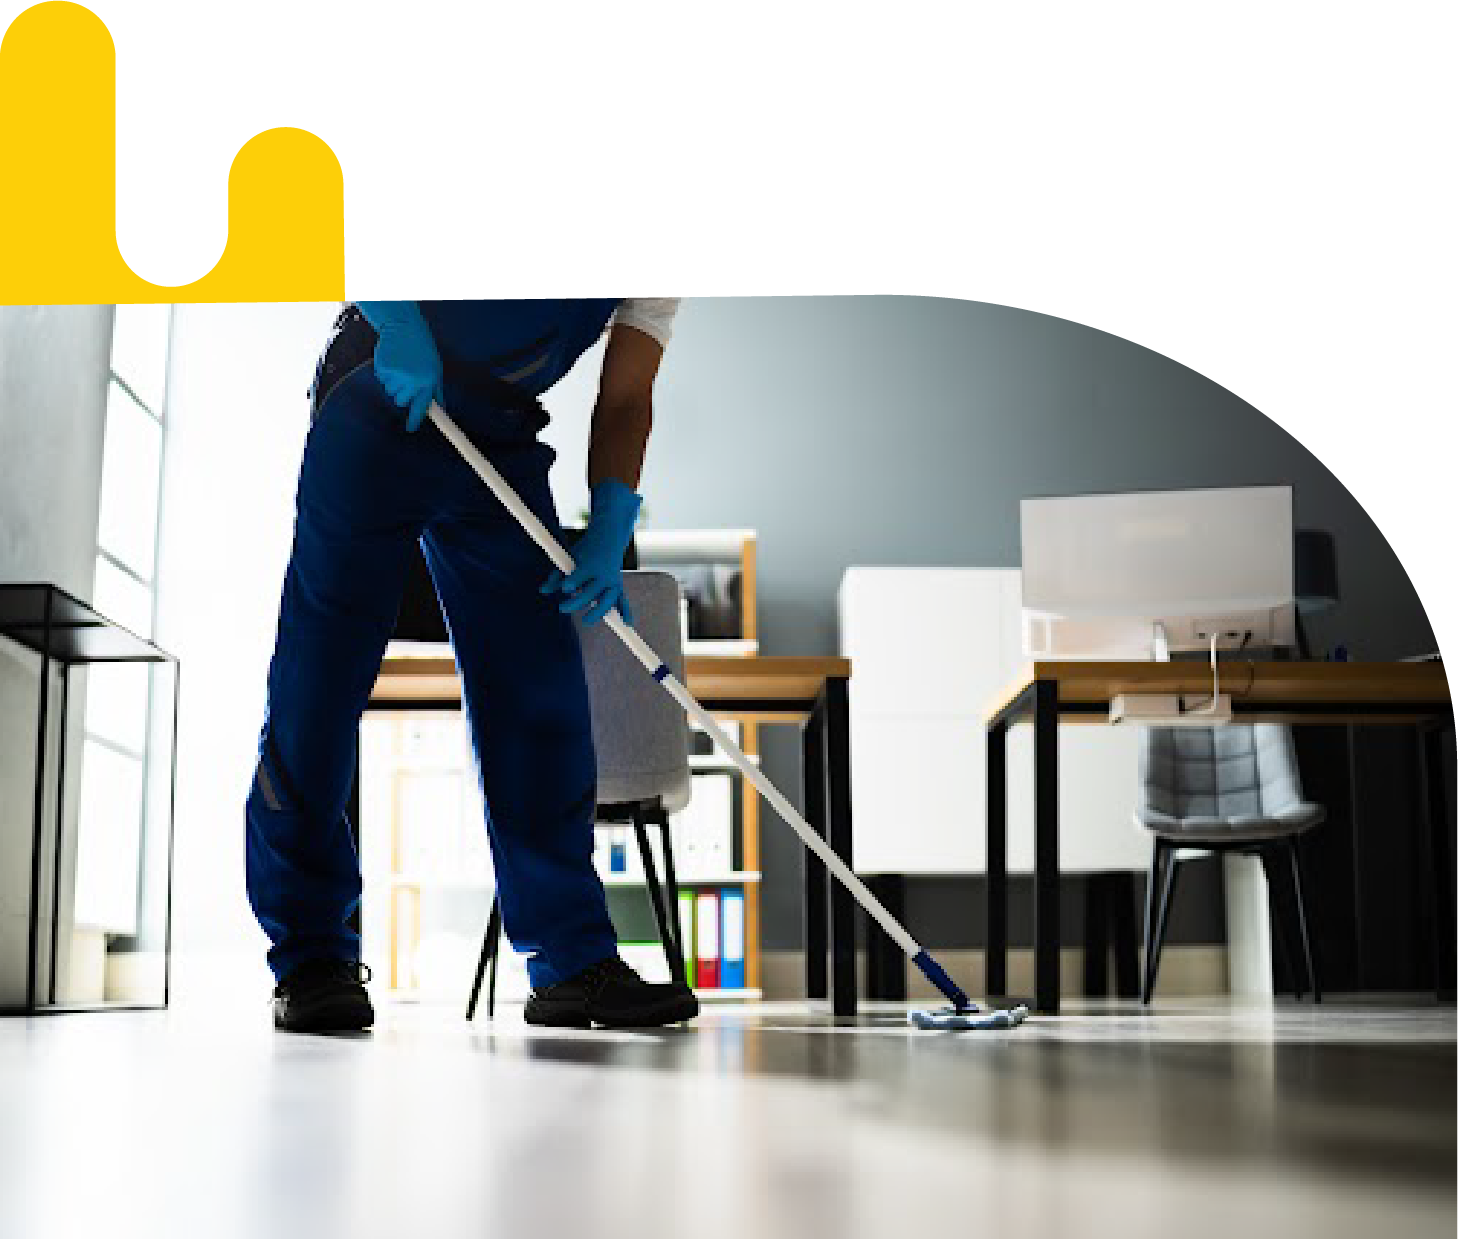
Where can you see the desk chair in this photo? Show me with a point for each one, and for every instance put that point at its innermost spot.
(641, 738)
(1208, 790)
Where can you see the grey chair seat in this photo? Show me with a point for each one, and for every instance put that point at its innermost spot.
(1239, 827)
(1222, 784)
(670, 786)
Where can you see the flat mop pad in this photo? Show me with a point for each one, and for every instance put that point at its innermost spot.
(969, 1017)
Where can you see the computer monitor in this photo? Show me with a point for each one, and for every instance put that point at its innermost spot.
(1133, 576)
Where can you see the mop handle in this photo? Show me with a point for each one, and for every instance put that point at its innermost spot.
(643, 652)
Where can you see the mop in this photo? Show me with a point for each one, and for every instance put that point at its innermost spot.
(963, 1013)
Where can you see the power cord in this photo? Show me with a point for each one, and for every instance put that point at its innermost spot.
(1211, 704)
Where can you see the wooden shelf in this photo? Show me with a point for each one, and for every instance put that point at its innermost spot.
(419, 881)
(740, 877)
(693, 545)
(714, 763)
(724, 647)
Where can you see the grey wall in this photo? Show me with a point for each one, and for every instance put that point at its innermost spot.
(53, 367)
(894, 430)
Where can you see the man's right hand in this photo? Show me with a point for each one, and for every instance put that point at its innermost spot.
(407, 362)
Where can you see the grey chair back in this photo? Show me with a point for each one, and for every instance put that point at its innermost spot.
(640, 734)
(1231, 783)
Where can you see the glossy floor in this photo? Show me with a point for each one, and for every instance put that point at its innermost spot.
(1196, 1120)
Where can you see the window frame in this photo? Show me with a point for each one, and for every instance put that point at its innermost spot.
(147, 582)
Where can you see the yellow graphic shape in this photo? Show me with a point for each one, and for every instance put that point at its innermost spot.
(58, 186)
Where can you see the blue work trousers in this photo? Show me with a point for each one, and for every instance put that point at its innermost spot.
(368, 492)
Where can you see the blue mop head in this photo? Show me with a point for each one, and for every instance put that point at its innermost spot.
(946, 1018)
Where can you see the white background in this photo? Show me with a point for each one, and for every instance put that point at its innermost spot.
(1257, 190)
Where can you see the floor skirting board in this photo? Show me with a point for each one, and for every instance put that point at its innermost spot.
(1184, 971)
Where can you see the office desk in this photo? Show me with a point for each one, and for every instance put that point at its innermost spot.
(1049, 693)
(813, 692)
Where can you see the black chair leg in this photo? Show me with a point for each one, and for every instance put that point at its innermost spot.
(1294, 856)
(1275, 881)
(670, 878)
(495, 963)
(666, 934)
(1168, 872)
(490, 943)
(1151, 905)
(1126, 938)
(670, 873)
(1152, 889)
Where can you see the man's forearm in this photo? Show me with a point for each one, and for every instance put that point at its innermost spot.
(619, 440)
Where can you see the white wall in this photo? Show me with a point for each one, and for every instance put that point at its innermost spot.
(53, 366)
(238, 412)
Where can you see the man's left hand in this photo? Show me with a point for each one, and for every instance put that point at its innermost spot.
(595, 584)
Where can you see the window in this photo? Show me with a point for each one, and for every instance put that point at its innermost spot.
(118, 697)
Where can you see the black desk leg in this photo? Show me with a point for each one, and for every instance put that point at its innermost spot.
(42, 738)
(838, 806)
(813, 772)
(171, 833)
(1046, 930)
(1439, 861)
(1098, 914)
(60, 835)
(997, 858)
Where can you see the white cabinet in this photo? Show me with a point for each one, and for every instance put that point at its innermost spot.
(930, 650)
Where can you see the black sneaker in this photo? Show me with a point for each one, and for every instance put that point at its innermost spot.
(610, 994)
(324, 995)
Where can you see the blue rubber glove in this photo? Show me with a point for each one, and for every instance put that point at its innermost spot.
(596, 583)
(406, 360)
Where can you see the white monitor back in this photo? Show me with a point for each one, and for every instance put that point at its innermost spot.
(1100, 571)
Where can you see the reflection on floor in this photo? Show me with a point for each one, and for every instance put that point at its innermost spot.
(756, 1121)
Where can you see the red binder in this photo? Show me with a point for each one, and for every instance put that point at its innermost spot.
(706, 912)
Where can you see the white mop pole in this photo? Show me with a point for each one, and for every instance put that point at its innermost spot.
(643, 652)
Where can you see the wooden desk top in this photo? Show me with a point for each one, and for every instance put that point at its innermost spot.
(761, 678)
(1249, 683)
(721, 680)
(416, 679)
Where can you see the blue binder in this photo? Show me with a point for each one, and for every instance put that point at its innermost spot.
(731, 939)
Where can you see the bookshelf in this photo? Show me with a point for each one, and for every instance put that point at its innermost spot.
(426, 861)
(426, 914)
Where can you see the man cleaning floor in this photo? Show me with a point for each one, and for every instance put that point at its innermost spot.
(370, 488)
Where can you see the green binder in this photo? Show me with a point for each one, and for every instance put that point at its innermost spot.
(686, 932)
